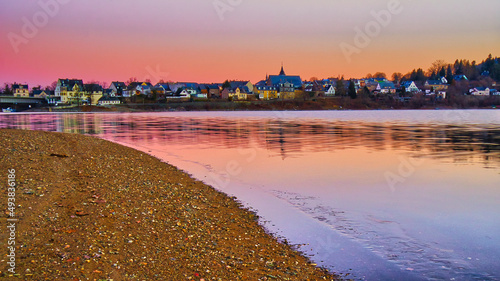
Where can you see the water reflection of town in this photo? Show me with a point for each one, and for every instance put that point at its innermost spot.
(283, 138)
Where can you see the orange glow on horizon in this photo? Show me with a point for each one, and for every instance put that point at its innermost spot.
(102, 45)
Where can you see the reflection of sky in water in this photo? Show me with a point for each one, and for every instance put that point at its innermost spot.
(413, 196)
(289, 137)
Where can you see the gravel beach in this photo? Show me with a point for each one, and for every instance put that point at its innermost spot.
(89, 209)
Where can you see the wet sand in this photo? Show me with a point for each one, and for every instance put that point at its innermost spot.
(89, 209)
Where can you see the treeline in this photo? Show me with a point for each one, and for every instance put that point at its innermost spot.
(490, 67)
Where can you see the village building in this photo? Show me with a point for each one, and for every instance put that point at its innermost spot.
(279, 86)
(436, 85)
(21, 90)
(409, 87)
(92, 93)
(480, 91)
(108, 100)
(70, 90)
(117, 88)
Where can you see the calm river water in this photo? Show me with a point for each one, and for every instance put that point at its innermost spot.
(381, 195)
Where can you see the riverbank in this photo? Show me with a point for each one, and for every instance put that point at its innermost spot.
(91, 209)
(467, 102)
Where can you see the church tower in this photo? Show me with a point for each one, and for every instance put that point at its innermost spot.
(282, 72)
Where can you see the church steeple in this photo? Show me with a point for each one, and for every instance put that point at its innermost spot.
(282, 72)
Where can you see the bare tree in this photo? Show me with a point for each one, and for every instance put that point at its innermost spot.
(131, 80)
(436, 67)
(52, 86)
(379, 75)
(396, 77)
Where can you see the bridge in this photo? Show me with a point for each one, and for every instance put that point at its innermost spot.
(20, 100)
(20, 103)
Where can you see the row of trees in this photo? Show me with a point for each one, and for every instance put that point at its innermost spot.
(490, 67)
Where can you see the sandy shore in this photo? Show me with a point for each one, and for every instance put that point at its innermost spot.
(89, 209)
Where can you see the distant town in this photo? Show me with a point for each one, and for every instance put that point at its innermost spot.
(463, 84)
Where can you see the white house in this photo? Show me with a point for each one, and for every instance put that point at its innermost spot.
(386, 87)
(180, 93)
(441, 94)
(107, 100)
(184, 94)
(117, 88)
(192, 92)
(138, 88)
(480, 91)
(200, 95)
(53, 100)
(329, 90)
(144, 89)
(410, 87)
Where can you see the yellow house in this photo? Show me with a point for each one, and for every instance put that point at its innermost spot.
(40, 94)
(93, 93)
(94, 97)
(70, 91)
(436, 85)
(75, 92)
(236, 94)
(74, 95)
(299, 94)
(287, 91)
(278, 86)
(266, 92)
(21, 90)
(287, 95)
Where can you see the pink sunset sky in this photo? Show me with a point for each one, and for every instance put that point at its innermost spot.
(215, 40)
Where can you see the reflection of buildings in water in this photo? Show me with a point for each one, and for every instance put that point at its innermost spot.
(279, 138)
(45, 122)
(28, 122)
(285, 138)
(90, 124)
